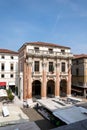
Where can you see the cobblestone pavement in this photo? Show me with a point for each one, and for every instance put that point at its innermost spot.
(33, 115)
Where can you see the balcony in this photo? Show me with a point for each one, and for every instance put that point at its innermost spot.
(64, 73)
(36, 74)
(48, 54)
(48, 74)
(51, 74)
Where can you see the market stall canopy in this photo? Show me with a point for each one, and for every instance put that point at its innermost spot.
(71, 114)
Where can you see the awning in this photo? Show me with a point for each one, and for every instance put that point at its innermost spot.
(3, 93)
(71, 114)
(11, 83)
(2, 83)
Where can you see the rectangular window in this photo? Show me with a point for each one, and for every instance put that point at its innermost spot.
(36, 49)
(77, 72)
(50, 50)
(2, 75)
(11, 76)
(12, 57)
(2, 67)
(77, 62)
(36, 66)
(51, 68)
(63, 67)
(63, 51)
(3, 57)
(11, 67)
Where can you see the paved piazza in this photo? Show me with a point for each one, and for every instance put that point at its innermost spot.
(15, 115)
(18, 120)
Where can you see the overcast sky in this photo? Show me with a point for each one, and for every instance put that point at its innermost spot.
(63, 22)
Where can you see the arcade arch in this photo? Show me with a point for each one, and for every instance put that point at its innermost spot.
(36, 89)
(63, 88)
(50, 88)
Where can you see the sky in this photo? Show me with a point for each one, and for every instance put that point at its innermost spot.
(63, 22)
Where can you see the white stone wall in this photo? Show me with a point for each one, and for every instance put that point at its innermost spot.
(50, 59)
(7, 72)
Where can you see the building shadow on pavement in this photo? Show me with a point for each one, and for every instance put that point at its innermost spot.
(44, 124)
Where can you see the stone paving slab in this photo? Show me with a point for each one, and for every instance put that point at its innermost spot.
(16, 115)
(23, 126)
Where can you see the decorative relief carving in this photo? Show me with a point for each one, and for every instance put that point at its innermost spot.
(29, 62)
(44, 64)
(36, 78)
(63, 76)
(50, 78)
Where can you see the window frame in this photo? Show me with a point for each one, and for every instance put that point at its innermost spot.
(2, 66)
(11, 75)
(51, 67)
(36, 49)
(51, 50)
(2, 57)
(2, 75)
(36, 66)
(62, 51)
(12, 57)
(11, 67)
(63, 67)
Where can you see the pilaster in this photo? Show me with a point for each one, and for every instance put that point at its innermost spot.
(57, 84)
(29, 83)
(69, 80)
(25, 82)
(43, 88)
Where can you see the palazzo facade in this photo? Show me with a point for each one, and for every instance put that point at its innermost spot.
(79, 75)
(44, 70)
(8, 69)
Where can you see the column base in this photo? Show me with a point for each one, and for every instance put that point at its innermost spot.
(69, 95)
(29, 101)
(43, 97)
(57, 96)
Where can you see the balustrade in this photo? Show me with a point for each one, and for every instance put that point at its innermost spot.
(48, 54)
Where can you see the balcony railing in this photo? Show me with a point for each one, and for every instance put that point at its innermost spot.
(49, 74)
(63, 73)
(48, 54)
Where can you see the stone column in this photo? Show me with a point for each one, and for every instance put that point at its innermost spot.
(29, 82)
(57, 84)
(25, 81)
(43, 87)
(20, 88)
(69, 80)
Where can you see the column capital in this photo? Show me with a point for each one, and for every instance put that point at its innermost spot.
(69, 63)
(29, 62)
(44, 64)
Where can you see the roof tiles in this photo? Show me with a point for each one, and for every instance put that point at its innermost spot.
(46, 44)
(8, 51)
